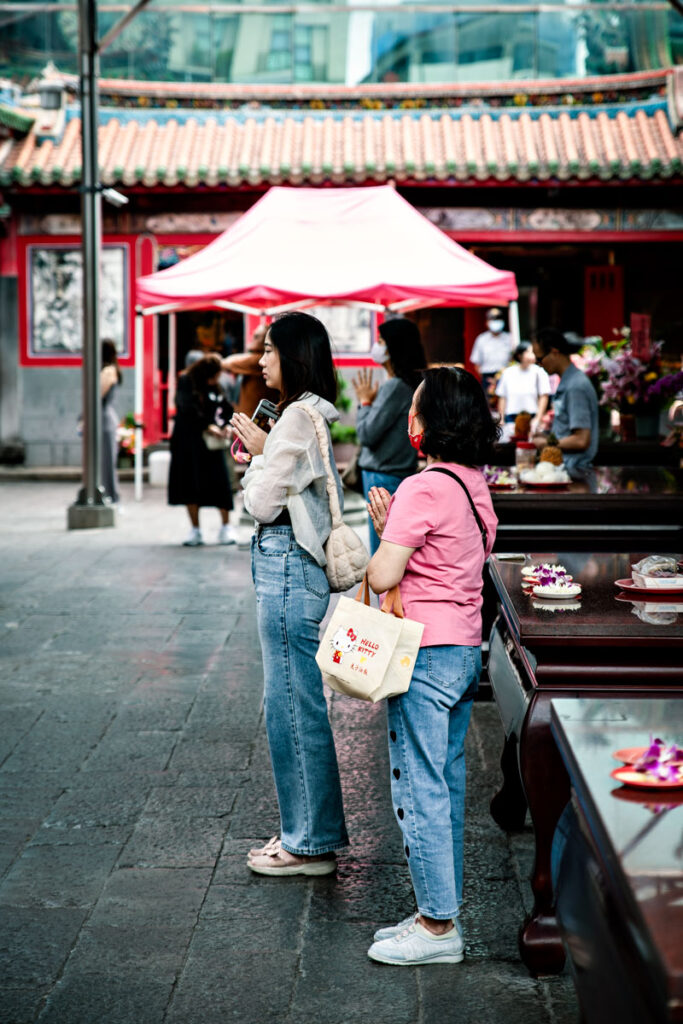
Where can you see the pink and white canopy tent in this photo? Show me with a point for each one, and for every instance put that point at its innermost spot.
(299, 247)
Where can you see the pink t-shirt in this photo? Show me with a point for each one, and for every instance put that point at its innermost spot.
(443, 579)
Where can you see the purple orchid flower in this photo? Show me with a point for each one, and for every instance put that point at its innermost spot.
(662, 761)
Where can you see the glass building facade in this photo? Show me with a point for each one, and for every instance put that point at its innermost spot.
(335, 43)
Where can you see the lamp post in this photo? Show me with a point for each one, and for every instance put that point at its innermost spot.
(89, 509)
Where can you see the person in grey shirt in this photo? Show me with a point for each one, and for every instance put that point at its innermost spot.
(575, 404)
(386, 455)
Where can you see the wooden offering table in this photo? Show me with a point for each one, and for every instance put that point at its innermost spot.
(620, 508)
(618, 864)
(601, 645)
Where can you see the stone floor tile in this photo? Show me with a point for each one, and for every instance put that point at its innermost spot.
(174, 841)
(335, 970)
(480, 993)
(35, 942)
(20, 1005)
(138, 995)
(58, 876)
(222, 987)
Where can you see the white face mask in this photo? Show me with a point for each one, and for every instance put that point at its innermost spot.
(379, 354)
(495, 326)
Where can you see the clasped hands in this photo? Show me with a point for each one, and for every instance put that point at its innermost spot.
(251, 436)
(379, 500)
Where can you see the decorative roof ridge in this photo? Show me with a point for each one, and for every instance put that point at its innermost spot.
(15, 120)
(182, 115)
(304, 92)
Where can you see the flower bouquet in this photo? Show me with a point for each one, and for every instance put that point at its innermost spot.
(629, 384)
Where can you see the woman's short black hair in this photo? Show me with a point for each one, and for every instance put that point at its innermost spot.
(457, 421)
(523, 347)
(303, 346)
(551, 337)
(404, 347)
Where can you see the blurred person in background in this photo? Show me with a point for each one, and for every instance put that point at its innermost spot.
(198, 475)
(523, 387)
(575, 405)
(492, 349)
(110, 379)
(387, 456)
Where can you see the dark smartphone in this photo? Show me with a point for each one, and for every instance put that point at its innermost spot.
(264, 412)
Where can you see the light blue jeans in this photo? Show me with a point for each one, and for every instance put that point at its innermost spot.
(427, 727)
(372, 479)
(292, 595)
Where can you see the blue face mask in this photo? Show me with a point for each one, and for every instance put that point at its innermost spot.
(495, 326)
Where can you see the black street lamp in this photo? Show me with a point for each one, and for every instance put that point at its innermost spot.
(89, 509)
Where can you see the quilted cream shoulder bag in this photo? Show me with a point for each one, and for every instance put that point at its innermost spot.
(346, 555)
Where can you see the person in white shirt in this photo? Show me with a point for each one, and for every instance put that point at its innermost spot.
(523, 387)
(492, 348)
(285, 490)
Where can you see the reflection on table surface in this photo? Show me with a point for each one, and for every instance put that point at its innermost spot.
(602, 609)
(644, 827)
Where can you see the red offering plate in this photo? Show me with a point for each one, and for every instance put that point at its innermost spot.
(629, 755)
(644, 781)
(628, 584)
(546, 485)
(502, 487)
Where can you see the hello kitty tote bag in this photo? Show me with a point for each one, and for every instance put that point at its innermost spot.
(367, 652)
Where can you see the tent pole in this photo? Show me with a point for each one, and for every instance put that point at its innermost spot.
(172, 361)
(139, 357)
(513, 317)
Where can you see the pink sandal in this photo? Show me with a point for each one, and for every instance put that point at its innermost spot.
(273, 860)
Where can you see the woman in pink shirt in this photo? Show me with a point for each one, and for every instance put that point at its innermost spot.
(436, 533)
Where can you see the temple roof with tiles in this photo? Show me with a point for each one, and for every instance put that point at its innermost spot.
(160, 136)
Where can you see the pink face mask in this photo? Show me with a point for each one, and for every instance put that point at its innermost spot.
(415, 439)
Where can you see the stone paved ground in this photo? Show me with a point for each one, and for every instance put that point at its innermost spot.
(134, 775)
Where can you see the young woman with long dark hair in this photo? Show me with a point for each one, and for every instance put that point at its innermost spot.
(436, 534)
(285, 490)
(198, 476)
(386, 456)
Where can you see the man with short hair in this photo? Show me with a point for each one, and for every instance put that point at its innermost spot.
(575, 424)
(492, 348)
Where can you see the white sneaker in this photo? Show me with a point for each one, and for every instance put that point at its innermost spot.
(226, 535)
(194, 538)
(415, 945)
(395, 929)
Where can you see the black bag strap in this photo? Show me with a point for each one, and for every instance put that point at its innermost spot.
(448, 472)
